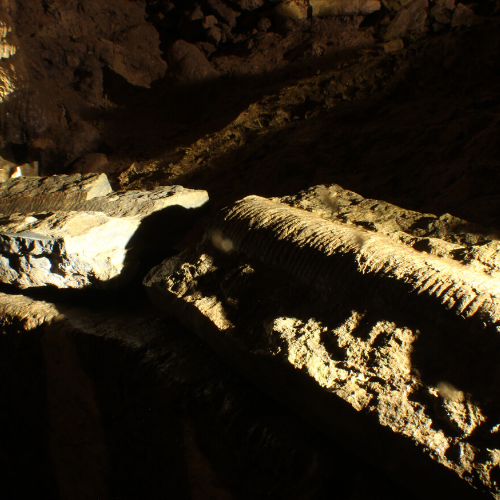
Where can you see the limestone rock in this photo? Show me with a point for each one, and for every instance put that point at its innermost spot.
(445, 236)
(34, 194)
(291, 9)
(326, 8)
(97, 240)
(441, 14)
(368, 338)
(393, 45)
(65, 250)
(118, 375)
(223, 12)
(6, 168)
(187, 64)
(464, 17)
(410, 18)
(247, 4)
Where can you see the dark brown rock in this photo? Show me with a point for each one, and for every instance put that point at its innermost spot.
(187, 64)
(223, 12)
(463, 16)
(247, 4)
(214, 35)
(91, 163)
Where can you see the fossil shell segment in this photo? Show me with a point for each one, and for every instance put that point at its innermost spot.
(330, 256)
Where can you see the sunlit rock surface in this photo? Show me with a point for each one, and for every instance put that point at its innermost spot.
(82, 235)
(377, 324)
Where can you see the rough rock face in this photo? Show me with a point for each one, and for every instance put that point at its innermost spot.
(52, 76)
(384, 341)
(70, 232)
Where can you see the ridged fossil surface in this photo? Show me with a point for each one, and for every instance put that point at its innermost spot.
(330, 256)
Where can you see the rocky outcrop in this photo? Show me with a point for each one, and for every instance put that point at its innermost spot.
(52, 84)
(385, 346)
(71, 232)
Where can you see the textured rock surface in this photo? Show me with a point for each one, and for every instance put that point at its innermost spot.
(445, 236)
(188, 65)
(50, 193)
(343, 7)
(387, 348)
(78, 237)
(152, 412)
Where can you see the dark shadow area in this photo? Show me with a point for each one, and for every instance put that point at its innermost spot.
(154, 123)
(25, 466)
(154, 413)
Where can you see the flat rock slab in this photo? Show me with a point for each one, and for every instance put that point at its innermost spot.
(93, 240)
(59, 192)
(390, 349)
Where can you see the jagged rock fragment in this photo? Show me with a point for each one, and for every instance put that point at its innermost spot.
(91, 163)
(393, 45)
(411, 18)
(87, 240)
(223, 12)
(464, 17)
(389, 349)
(247, 4)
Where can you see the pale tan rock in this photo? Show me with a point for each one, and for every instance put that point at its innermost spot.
(98, 243)
(393, 45)
(446, 236)
(6, 168)
(326, 8)
(10, 79)
(291, 9)
(323, 314)
(26, 170)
